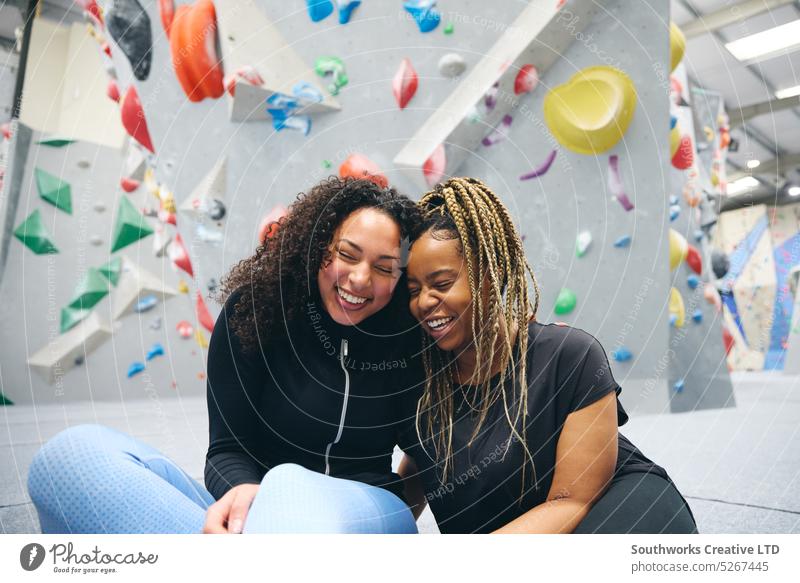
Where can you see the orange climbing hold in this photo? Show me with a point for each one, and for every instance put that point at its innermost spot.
(192, 33)
(359, 166)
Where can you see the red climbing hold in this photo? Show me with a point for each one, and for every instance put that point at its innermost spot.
(133, 119)
(727, 340)
(527, 79)
(203, 315)
(112, 91)
(359, 166)
(179, 255)
(404, 85)
(434, 167)
(694, 260)
(684, 155)
(129, 184)
(269, 224)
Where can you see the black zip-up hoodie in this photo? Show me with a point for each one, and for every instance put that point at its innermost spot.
(331, 398)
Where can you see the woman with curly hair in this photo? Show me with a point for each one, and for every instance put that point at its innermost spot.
(308, 386)
(516, 431)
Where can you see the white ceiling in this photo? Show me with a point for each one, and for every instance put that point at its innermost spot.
(712, 66)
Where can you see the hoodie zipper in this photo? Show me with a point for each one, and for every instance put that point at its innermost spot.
(342, 356)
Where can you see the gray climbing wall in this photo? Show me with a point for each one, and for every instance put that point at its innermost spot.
(621, 292)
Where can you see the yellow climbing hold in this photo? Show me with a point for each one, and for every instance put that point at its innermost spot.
(183, 287)
(677, 46)
(677, 310)
(678, 248)
(591, 112)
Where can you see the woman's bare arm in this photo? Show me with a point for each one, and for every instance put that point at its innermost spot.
(586, 456)
(412, 485)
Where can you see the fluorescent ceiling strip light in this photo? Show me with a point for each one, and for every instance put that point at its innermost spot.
(742, 185)
(788, 92)
(767, 44)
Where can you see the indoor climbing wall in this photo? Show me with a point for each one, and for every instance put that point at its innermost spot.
(698, 374)
(288, 93)
(784, 229)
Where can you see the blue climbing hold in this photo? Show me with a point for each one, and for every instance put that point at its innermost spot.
(622, 354)
(698, 235)
(673, 199)
(673, 121)
(155, 350)
(146, 303)
(693, 281)
(674, 212)
(319, 9)
(678, 386)
(346, 8)
(424, 13)
(697, 316)
(672, 320)
(135, 368)
(623, 241)
(307, 91)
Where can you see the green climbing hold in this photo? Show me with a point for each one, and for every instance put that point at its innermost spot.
(332, 66)
(565, 302)
(5, 400)
(55, 141)
(33, 234)
(91, 289)
(130, 226)
(327, 164)
(71, 316)
(54, 190)
(111, 270)
(449, 28)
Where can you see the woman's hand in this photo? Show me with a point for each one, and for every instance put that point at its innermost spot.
(227, 515)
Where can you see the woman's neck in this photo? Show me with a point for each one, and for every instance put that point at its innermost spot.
(467, 369)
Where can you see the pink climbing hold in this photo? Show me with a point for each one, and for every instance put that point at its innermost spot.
(129, 184)
(179, 255)
(184, 328)
(133, 119)
(112, 90)
(203, 315)
(434, 166)
(404, 84)
(542, 169)
(526, 80)
(615, 185)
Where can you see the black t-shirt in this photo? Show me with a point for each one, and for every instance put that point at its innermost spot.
(285, 404)
(567, 369)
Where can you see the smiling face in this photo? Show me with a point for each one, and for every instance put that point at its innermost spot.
(438, 284)
(363, 269)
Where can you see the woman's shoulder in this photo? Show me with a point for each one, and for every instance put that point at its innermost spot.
(560, 338)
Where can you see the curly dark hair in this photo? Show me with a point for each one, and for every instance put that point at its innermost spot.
(278, 280)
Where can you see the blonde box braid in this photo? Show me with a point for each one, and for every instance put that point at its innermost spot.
(493, 252)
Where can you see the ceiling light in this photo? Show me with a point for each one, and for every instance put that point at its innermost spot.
(793, 191)
(753, 164)
(788, 92)
(742, 184)
(767, 44)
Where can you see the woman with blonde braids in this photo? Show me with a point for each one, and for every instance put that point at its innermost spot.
(516, 430)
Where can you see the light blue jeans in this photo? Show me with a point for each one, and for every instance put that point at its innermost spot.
(94, 479)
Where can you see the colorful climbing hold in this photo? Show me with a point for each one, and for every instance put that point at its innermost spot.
(623, 241)
(55, 141)
(622, 354)
(71, 316)
(694, 260)
(727, 340)
(615, 186)
(677, 45)
(129, 184)
(155, 350)
(185, 329)
(111, 270)
(692, 281)
(130, 225)
(145, 304)
(404, 84)
(565, 302)
(451, 65)
(133, 119)
(720, 263)
(679, 386)
(359, 166)
(499, 133)
(678, 248)
(346, 8)
(319, 9)
(135, 368)
(677, 307)
(674, 212)
(697, 316)
(582, 243)
(270, 223)
(54, 190)
(333, 66)
(712, 296)
(92, 288)
(449, 28)
(203, 315)
(684, 155)
(526, 80)
(424, 13)
(179, 255)
(34, 235)
(542, 169)
(112, 90)
(129, 25)
(434, 167)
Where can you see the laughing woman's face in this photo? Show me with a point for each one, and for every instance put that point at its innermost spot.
(364, 267)
(441, 299)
